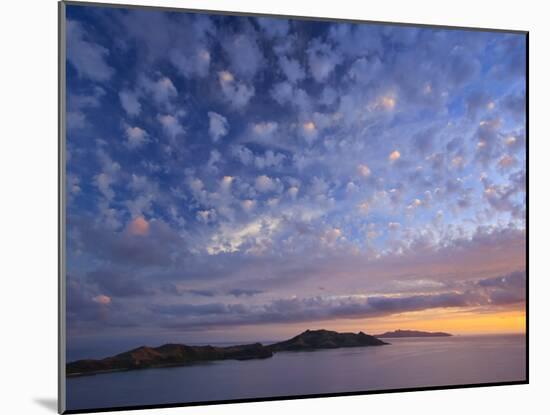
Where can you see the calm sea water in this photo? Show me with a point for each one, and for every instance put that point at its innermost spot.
(412, 362)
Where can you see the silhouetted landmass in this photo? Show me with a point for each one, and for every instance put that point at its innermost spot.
(411, 333)
(324, 339)
(167, 355)
(181, 355)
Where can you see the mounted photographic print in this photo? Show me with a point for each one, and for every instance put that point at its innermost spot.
(260, 207)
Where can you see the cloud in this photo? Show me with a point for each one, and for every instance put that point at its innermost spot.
(218, 127)
(394, 155)
(477, 102)
(244, 292)
(138, 226)
(364, 207)
(282, 92)
(202, 293)
(102, 299)
(365, 70)
(161, 246)
(107, 177)
(385, 102)
(207, 216)
(78, 106)
(192, 63)
(248, 204)
(507, 161)
(243, 53)
(269, 159)
(292, 69)
(116, 283)
(301, 184)
(87, 57)
(171, 125)
(236, 93)
(265, 128)
(130, 102)
(265, 184)
(486, 138)
(363, 170)
(136, 137)
(162, 90)
(499, 291)
(273, 27)
(322, 60)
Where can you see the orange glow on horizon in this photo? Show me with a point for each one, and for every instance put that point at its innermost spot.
(454, 321)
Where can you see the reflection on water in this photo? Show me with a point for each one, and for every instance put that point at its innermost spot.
(406, 363)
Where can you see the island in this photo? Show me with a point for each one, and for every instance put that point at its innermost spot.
(166, 356)
(170, 355)
(411, 333)
(325, 339)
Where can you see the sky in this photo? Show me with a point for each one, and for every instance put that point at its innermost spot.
(234, 178)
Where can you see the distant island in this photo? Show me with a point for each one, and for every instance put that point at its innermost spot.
(180, 355)
(411, 333)
(325, 339)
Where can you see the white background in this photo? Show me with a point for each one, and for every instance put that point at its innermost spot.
(28, 204)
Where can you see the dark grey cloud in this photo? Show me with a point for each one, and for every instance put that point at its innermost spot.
(244, 292)
(160, 246)
(498, 291)
(116, 283)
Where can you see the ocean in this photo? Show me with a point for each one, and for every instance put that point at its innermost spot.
(406, 363)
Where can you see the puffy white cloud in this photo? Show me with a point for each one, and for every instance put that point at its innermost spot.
(253, 237)
(243, 154)
(163, 90)
(293, 191)
(248, 204)
(243, 53)
(191, 63)
(266, 184)
(214, 159)
(237, 93)
(108, 174)
(226, 183)
(282, 92)
(384, 103)
(171, 125)
(103, 181)
(322, 60)
(265, 128)
(363, 170)
(270, 159)
(136, 137)
(207, 216)
(218, 126)
(130, 102)
(292, 69)
(309, 130)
